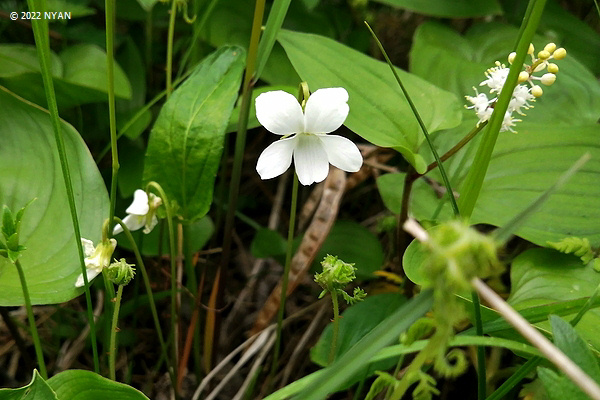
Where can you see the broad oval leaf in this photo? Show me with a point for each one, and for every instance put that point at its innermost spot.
(186, 142)
(37, 389)
(86, 385)
(378, 110)
(448, 9)
(544, 276)
(30, 169)
(79, 74)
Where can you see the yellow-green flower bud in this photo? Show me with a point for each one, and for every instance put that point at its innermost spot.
(552, 68)
(543, 55)
(511, 57)
(537, 91)
(523, 76)
(459, 253)
(550, 47)
(559, 54)
(548, 79)
(120, 273)
(531, 49)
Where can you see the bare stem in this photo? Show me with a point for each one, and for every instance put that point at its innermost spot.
(551, 352)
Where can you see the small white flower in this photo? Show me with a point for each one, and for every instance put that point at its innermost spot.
(521, 98)
(312, 149)
(141, 213)
(96, 258)
(496, 77)
(508, 122)
(480, 102)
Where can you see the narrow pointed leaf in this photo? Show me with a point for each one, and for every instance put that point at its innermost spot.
(186, 142)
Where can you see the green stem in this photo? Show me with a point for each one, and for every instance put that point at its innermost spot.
(336, 326)
(113, 335)
(286, 272)
(34, 333)
(174, 319)
(481, 368)
(40, 32)
(141, 267)
(110, 70)
(449, 191)
(240, 145)
(170, 47)
(472, 184)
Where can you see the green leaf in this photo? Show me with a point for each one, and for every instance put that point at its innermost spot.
(356, 322)
(200, 230)
(85, 66)
(567, 339)
(448, 9)
(86, 385)
(523, 166)
(334, 376)
(17, 59)
(37, 389)
(412, 262)
(559, 387)
(378, 110)
(31, 169)
(185, 145)
(267, 243)
(79, 74)
(8, 223)
(544, 276)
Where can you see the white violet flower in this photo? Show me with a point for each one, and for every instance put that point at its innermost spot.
(96, 258)
(310, 146)
(141, 213)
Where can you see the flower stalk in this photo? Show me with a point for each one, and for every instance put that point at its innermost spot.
(286, 273)
(40, 33)
(34, 333)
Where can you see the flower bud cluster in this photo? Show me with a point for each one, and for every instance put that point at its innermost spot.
(526, 90)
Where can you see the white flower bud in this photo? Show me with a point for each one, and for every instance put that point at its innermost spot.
(559, 54)
(523, 76)
(531, 49)
(511, 57)
(544, 55)
(548, 79)
(550, 47)
(537, 91)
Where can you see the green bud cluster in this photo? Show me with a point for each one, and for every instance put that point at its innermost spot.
(459, 253)
(120, 273)
(336, 276)
(11, 226)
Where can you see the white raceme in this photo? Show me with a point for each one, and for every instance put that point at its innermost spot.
(524, 92)
(310, 146)
(141, 213)
(96, 258)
